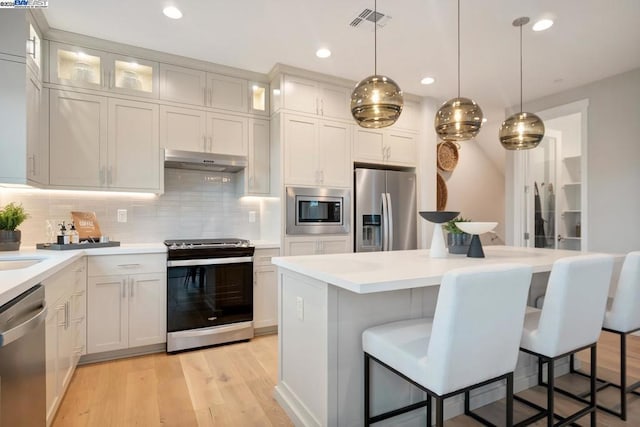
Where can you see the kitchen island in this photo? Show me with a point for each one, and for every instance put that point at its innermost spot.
(327, 301)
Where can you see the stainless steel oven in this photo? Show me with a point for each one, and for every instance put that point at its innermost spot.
(318, 210)
(209, 292)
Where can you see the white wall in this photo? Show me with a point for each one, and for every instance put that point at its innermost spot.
(613, 156)
(195, 205)
(426, 169)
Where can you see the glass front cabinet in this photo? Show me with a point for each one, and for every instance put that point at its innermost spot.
(95, 69)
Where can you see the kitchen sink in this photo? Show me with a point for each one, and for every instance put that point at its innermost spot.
(18, 263)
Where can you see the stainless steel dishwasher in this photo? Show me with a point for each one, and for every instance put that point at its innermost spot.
(22, 360)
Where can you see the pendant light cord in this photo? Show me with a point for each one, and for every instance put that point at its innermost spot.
(521, 68)
(375, 37)
(458, 48)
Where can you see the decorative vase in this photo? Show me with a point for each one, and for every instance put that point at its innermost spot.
(10, 240)
(458, 243)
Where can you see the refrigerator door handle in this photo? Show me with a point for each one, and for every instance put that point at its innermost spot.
(390, 222)
(385, 223)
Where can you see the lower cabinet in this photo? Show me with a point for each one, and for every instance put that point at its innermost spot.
(265, 289)
(128, 309)
(318, 245)
(65, 330)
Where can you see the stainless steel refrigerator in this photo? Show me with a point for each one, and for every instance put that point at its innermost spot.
(385, 210)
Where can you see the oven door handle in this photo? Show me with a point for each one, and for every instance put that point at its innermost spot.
(208, 261)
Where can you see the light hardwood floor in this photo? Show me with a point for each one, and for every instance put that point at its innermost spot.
(232, 385)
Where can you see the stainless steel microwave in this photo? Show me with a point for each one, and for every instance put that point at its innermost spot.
(318, 210)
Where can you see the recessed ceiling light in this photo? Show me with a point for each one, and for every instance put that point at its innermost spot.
(543, 24)
(172, 12)
(323, 53)
(427, 80)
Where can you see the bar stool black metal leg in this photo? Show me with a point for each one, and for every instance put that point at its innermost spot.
(429, 414)
(623, 376)
(366, 390)
(439, 412)
(540, 365)
(593, 379)
(510, 400)
(550, 393)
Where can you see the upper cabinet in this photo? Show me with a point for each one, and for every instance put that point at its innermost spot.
(254, 180)
(322, 99)
(23, 122)
(385, 146)
(112, 143)
(94, 69)
(196, 87)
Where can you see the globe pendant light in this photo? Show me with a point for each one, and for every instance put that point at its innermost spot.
(377, 101)
(521, 131)
(458, 119)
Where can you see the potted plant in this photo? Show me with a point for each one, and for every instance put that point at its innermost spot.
(11, 216)
(457, 240)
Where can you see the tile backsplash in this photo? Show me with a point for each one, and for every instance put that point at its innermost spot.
(195, 204)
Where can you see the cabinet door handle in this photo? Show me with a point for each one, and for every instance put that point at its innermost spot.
(33, 47)
(131, 288)
(211, 97)
(67, 314)
(112, 80)
(101, 175)
(128, 265)
(204, 92)
(110, 175)
(123, 285)
(322, 107)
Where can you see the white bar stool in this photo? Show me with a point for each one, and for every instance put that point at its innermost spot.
(471, 341)
(570, 321)
(623, 318)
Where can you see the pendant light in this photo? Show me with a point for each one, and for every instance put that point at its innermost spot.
(521, 131)
(377, 101)
(458, 119)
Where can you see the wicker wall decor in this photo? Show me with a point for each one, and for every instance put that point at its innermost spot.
(441, 193)
(447, 155)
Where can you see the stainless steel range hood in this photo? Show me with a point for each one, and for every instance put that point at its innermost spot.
(178, 159)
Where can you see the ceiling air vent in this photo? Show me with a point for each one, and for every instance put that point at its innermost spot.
(367, 15)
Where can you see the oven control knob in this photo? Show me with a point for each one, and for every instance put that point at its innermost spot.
(190, 246)
(183, 246)
(173, 246)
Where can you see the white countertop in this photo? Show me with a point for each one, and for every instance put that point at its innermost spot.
(265, 244)
(369, 272)
(14, 282)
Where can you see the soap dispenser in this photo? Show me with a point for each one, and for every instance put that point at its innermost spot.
(73, 233)
(63, 237)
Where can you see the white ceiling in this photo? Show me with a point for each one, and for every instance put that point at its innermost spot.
(591, 39)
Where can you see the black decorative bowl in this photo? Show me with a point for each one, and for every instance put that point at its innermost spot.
(439, 217)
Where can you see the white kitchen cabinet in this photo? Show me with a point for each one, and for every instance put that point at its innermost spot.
(259, 98)
(65, 329)
(318, 245)
(196, 87)
(133, 161)
(110, 143)
(254, 180)
(265, 289)
(385, 146)
(227, 134)
(183, 129)
(308, 96)
(23, 140)
(126, 299)
(79, 66)
(409, 118)
(316, 152)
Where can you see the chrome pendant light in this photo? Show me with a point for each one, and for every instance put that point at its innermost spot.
(377, 101)
(521, 131)
(459, 119)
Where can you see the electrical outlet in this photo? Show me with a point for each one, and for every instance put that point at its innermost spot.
(122, 215)
(300, 308)
(252, 216)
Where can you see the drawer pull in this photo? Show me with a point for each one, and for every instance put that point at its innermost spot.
(129, 265)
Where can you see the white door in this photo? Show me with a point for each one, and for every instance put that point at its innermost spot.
(334, 101)
(133, 76)
(265, 297)
(183, 129)
(147, 309)
(78, 139)
(180, 84)
(334, 154)
(107, 313)
(401, 148)
(228, 134)
(77, 66)
(369, 145)
(227, 93)
(300, 95)
(301, 247)
(259, 157)
(37, 161)
(336, 245)
(65, 348)
(134, 146)
(300, 151)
